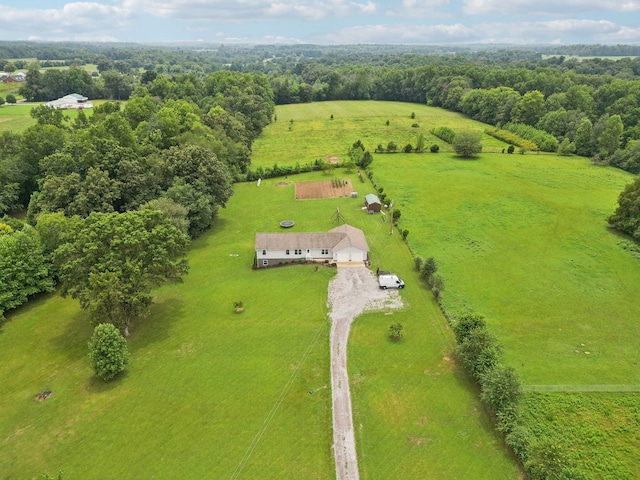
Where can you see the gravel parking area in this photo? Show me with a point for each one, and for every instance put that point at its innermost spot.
(354, 290)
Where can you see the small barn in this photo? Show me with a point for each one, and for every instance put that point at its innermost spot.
(372, 202)
(341, 244)
(74, 101)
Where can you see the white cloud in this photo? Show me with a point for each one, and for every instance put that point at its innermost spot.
(419, 9)
(245, 10)
(553, 31)
(409, 34)
(78, 21)
(547, 7)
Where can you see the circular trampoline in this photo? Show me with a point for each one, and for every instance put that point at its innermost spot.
(287, 223)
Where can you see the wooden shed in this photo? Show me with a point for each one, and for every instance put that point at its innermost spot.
(372, 202)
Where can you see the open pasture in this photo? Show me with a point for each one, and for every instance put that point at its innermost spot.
(17, 117)
(522, 239)
(211, 393)
(304, 133)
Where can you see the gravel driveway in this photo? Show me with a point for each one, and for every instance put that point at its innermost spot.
(352, 291)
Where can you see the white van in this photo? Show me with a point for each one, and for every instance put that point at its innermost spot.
(390, 281)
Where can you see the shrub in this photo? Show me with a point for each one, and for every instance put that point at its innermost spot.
(479, 352)
(467, 144)
(396, 331)
(467, 323)
(428, 268)
(108, 351)
(434, 148)
(408, 148)
(11, 98)
(444, 133)
(512, 139)
(545, 141)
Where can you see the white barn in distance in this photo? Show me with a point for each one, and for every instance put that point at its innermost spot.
(341, 244)
(72, 101)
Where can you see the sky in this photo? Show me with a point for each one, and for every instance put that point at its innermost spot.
(408, 22)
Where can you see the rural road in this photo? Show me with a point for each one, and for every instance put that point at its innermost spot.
(352, 291)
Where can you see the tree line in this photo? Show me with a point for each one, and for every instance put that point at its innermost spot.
(112, 198)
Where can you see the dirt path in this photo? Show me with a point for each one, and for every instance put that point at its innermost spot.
(351, 292)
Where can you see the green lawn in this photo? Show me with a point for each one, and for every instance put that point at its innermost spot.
(17, 117)
(215, 394)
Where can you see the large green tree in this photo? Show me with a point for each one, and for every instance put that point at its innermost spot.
(627, 216)
(108, 351)
(24, 270)
(110, 263)
(467, 143)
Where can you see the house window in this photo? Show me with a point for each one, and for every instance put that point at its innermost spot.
(265, 262)
(308, 250)
(287, 252)
(298, 252)
(325, 251)
(264, 252)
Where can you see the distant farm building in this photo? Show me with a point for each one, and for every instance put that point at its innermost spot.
(67, 102)
(372, 203)
(341, 244)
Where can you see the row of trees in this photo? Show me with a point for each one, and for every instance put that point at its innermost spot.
(113, 198)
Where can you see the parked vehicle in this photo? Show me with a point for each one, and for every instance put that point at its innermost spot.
(390, 281)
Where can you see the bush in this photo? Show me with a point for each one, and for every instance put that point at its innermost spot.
(396, 331)
(434, 148)
(108, 351)
(512, 139)
(444, 133)
(479, 352)
(545, 141)
(11, 98)
(428, 268)
(467, 144)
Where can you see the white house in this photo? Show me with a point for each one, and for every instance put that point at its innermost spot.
(341, 244)
(73, 100)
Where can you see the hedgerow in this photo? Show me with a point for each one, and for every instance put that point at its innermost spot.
(444, 133)
(545, 141)
(511, 138)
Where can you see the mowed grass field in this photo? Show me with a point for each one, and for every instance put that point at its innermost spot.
(17, 117)
(314, 135)
(522, 239)
(211, 393)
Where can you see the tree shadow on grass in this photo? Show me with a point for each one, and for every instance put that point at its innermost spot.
(205, 240)
(98, 385)
(72, 339)
(157, 327)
